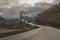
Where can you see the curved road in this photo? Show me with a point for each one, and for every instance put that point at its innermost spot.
(42, 33)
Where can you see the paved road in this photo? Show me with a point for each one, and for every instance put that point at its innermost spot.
(42, 33)
(48, 33)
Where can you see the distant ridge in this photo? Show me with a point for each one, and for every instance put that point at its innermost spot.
(2, 20)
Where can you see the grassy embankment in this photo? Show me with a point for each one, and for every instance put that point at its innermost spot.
(12, 29)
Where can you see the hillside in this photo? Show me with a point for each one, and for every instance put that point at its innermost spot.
(51, 16)
(2, 20)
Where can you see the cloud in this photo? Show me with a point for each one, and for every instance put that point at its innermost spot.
(1, 13)
(32, 2)
(8, 3)
(43, 5)
(56, 1)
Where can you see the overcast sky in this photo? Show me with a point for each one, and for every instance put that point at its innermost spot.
(32, 2)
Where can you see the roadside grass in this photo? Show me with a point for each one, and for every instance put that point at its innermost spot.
(10, 30)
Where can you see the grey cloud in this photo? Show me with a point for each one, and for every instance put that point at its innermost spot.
(4, 3)
(56, 1)
(43, 5)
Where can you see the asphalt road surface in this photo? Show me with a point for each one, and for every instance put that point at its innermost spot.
(42, 33)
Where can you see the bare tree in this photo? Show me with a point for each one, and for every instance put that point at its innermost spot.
(22, 20)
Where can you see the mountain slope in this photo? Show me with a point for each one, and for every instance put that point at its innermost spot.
(2, 20)
(50, 16)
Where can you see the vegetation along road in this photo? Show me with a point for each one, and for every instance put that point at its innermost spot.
(42, 33)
